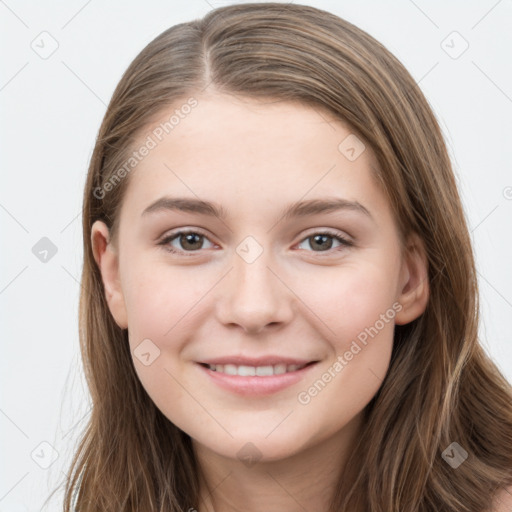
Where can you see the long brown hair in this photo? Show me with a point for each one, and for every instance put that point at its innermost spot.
(440, 388)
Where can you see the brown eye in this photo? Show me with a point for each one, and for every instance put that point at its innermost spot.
(185, 241)
(190, 241)
(323, 242)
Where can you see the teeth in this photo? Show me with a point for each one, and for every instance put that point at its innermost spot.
(249, 371)
(246, 371)
(262, 371)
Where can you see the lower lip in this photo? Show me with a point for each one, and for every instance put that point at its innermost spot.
(255, 385)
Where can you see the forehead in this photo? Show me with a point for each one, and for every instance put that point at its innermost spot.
(252, 153)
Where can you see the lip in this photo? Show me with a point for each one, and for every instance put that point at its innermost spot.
(256, 385)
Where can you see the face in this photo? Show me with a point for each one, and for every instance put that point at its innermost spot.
(226, 276)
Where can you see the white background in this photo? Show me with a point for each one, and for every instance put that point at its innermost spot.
(51, 110)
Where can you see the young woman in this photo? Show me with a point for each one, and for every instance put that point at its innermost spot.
(279, 298)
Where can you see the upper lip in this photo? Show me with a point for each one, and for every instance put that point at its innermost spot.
(270, 360)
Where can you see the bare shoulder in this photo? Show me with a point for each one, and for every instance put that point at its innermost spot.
(503, 501)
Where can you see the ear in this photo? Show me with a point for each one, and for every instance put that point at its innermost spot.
(414, 285)
(107, 260)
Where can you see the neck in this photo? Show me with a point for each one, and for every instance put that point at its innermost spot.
(305, 480)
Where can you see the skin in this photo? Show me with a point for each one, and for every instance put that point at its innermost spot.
(295, 299)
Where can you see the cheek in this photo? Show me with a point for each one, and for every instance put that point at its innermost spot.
(351, 301)
(161, 306)
(347, 381)
(357, 310)
(160, 301)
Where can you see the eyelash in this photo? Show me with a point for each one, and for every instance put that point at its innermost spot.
(166, 241)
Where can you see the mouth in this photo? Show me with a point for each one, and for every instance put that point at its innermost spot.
(258, 379)
(256, 371)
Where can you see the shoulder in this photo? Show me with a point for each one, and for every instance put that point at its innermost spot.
(503, 501)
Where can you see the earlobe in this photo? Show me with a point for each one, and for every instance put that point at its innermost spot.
(106, 258)
(415, 287)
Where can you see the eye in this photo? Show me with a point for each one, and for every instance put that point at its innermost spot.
(323, 241)
(186, 241)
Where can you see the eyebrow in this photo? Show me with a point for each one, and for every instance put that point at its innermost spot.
(297, 209)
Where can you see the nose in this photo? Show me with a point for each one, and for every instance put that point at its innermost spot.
(254, 296)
